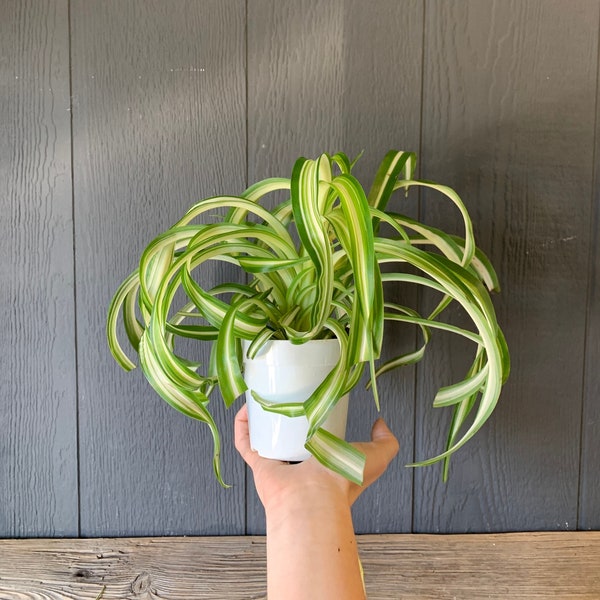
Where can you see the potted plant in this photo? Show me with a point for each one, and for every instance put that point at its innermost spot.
(313, 268)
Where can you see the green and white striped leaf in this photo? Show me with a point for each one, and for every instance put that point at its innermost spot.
(453, 394)
(337, 455)
(287, 409)
(469, 244)
(231, 381)
(121, 302)
(320, 403)
(308, 202)
(329, 284)
(394, 163)
(190, 404)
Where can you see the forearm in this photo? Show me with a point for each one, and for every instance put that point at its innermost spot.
(311, 551)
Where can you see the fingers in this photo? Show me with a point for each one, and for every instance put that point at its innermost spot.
(242, 436)
(381, 433)
(379, 452)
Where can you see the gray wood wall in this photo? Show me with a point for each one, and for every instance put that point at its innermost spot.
(116, 115)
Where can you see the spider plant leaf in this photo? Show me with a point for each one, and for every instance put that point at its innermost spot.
(469, 247)
(330, 285)
(260, 189)
(410, 357)
(237, 289)
(212, 363)
(222, 238)
(215, 310)
(133, 328)
(359, 239)
(427, 324)
(118, 303)
(451, 276)
(356, 159)
(361, 253)
(159, 340)
(231, 381)
(462, 410)
(391, 220)
(325, 397)
(308, 199)
(288, 409)
(168, 243)
(402, 360)
(258, 264)
(224, 233)
(482, 266)
(505, 355)
(255, 193)
(378, 313)
(342, 161)
(303, 280)
(466, 289)
(283, 212)
(337, 455)
(449, 246)
(259, 341)
(453, 394)
(194, 332)
(353, 376)
(235, 202)
(288, 318)
(460, 414)
(159, 336)
(190, 404)
(394, 163)
(231, 242)
(158, 265)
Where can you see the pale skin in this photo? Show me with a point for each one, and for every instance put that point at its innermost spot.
(311, 546)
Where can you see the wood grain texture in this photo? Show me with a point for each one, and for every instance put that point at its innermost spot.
(326, 76)
(158, 123)
(168, 107)
(589, 491)
(524, 566)
(509, 122)
(38, 447)
(493, 566)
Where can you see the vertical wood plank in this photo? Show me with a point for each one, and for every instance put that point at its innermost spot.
(38, 443)
(159, 122)
(326, 76)
(589, 492)
(508, 121)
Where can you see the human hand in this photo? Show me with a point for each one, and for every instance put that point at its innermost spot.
(278, 481)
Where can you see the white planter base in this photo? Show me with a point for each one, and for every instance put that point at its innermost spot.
(284, 372)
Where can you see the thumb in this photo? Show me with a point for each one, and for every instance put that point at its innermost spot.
(381, 431)
(380, 451)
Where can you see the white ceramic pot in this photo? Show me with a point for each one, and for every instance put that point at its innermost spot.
(286, 372)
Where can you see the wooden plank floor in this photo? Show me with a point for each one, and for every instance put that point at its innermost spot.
(561, 565)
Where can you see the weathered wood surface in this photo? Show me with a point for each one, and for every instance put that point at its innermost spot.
(589, 491)
(175, 101)
(462, 567)
(38, 396)
(491, 130)
(158, 123)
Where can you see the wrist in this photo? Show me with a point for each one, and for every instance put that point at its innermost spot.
(308, 500)
(311, 518)
(311, 533)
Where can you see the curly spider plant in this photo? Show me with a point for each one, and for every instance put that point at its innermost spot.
(313, 271)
